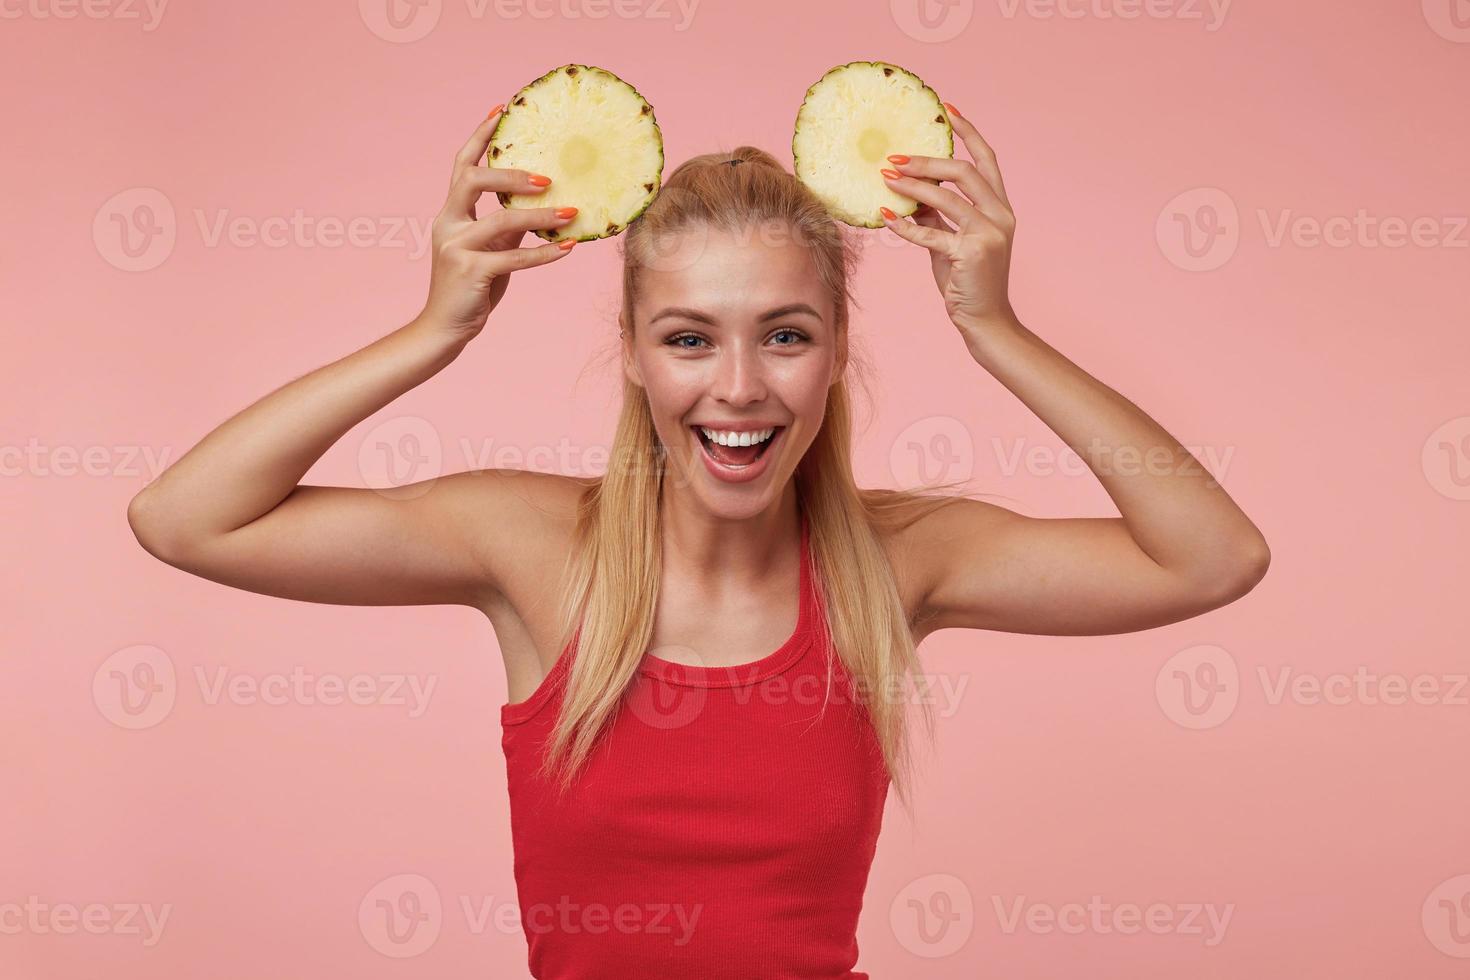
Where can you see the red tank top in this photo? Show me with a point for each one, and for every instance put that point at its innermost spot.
(724, 829)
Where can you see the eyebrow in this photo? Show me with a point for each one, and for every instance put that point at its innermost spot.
(775, 314)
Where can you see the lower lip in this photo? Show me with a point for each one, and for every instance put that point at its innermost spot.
(738, 474)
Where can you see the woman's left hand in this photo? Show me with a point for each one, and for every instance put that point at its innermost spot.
(972, 256)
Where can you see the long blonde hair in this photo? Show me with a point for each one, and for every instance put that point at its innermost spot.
(611, 581)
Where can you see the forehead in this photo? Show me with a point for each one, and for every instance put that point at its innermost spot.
(730, 274)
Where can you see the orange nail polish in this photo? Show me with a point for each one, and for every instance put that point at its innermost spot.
(887, 213)
(567, 245)
(899, 159)
(539, 180)
(952, 110)
(890, 174)
(496, 109)
(566, 212)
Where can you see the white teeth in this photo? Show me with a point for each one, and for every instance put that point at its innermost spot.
(737, 438)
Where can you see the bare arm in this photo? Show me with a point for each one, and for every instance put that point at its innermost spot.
(232, 509)
(1181, 546)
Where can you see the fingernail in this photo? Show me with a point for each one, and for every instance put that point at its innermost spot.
(898, 158)
(890, 174)
(496, 109)
(952, 110)
(888, 214)
(566, 246)
(566, 212)
(539, 180)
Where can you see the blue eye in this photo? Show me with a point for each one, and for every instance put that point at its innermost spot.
(677, 339)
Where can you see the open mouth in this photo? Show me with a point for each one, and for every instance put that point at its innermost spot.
(737, 456)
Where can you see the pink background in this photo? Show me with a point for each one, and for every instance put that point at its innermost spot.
(1328, 379)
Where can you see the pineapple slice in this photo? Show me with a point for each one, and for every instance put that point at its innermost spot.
(594, 136)
(850, 121)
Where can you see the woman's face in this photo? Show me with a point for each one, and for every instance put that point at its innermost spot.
(734, 333)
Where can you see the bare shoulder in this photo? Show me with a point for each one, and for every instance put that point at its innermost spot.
(521, 525)
(920, 533)
(915, 531)
(518, 524)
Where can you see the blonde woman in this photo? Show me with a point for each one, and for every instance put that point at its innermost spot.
(703, 647)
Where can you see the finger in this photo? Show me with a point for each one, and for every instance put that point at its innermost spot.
(474, 148)
(980, 151)
(954, 207)
(963, 174)
(934, 239)
(511, 260)
(476, 180)
(931, 218)
(491, 230)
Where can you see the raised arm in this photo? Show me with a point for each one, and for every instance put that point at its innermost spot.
(232, 510)
(1181, 546)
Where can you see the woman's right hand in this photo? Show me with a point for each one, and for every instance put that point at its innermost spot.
(473, 257)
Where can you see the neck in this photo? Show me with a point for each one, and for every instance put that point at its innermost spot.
(717, 555)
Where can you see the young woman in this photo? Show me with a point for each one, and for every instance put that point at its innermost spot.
(705, 648)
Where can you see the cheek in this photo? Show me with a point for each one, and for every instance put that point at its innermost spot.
(672, 393)
(668, 384)
(803, 389)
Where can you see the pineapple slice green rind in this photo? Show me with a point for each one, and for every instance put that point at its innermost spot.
(851, 119)
(597, 139)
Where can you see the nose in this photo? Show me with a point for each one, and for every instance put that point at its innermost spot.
(739, 376)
